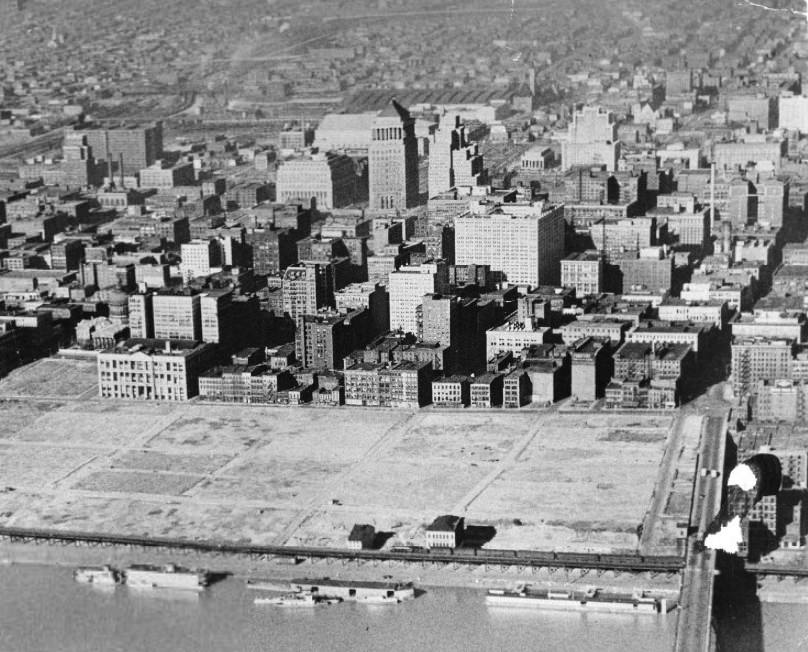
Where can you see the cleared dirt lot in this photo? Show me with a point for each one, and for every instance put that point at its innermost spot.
(303, 475)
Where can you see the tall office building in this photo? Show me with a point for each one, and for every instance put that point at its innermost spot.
(793, 113)
(79, 161)
(214, 309)
(199, 257)
(177, 315)
(138, 146)
(328, 178)
(306, 288)
(591, 139)
(141, 317)
(272, 250)
(453, 159)
(322, 340)
(393, 160)
(407, 288)
(525, 241)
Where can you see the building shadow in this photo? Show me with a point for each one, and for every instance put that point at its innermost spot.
(380, 538)
(476, 536)
(737, 614)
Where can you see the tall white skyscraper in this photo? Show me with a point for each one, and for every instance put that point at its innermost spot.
(407, 287)
(453, 159)
(525, 241)
(591, 139)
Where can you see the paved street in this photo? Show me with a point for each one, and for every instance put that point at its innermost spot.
(693, 629)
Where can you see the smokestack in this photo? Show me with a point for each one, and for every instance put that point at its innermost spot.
(120, 167)
(712, 194)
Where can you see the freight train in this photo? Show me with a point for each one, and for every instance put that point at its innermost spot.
(664, 562)
(478, 556)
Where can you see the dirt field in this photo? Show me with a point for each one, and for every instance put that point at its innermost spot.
(51, 377)
(300, 475)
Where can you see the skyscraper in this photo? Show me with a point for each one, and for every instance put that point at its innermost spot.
(407, 288)
(453, 159)
(138, 146)
(591, 139)
(306, 287)
(329, 178)
(393, 160)
(525, 241)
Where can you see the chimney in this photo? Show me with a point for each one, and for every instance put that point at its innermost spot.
(120, 167)
(109, 158)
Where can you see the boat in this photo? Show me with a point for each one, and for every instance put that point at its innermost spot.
(97, 575)
(168, 576)
(391, 592)
(297, 600)
(589, 600)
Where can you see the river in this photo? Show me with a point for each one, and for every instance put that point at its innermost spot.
(42, 610)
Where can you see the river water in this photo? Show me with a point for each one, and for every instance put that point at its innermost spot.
(42, 610)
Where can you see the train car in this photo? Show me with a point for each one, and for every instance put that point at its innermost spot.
(573, 557)
(495, 553)
(621, 559)
(536, 555)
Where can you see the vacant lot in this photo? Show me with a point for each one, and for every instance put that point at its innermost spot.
(286, 475)
(51, 377)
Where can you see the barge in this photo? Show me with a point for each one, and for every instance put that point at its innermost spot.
(166, 577)
(97, 575)
(360, 591)
(589, 600)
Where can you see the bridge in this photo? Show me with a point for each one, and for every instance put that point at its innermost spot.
(456, 556)
(693, 629)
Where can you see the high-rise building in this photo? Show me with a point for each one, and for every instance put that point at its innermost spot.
(793, 113)
(323, 339)
(272, 250)
(623, 238)
(453, 158)
(524, 241)
(407, 287)
(772, 200)
(177, 315)
(199, 257)
(213, 309)
(79, 161)
(138, 146)
(759, 358)
(591, 139)
(141, 316)
(306, 289)
(67, 254)
(366, 295)
(328, 178)
(393, 160)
